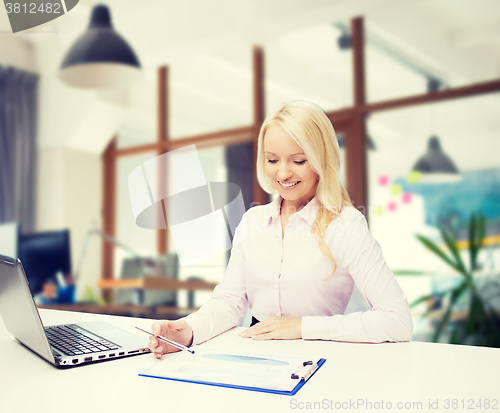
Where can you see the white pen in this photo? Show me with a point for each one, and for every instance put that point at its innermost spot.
(166, 340)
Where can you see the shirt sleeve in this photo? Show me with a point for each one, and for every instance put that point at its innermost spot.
(389, 318)
(228, 302)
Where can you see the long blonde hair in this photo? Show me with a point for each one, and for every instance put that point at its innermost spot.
(311, 129)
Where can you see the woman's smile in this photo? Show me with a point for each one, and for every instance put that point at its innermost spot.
(288, 185)
(288, 168)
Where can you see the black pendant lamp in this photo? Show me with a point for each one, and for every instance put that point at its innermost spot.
(435, 166)
(100, 58)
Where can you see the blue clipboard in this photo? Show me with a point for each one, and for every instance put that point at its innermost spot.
(294, 391)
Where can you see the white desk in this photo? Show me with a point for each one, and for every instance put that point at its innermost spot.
(401, 372)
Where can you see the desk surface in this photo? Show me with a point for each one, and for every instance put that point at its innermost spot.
(354, 375)
(157, 283)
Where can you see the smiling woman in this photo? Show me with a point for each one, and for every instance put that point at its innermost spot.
(288, 170)
(301, 132)
(295, 261)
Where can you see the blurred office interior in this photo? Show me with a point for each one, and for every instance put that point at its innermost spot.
(390, 74)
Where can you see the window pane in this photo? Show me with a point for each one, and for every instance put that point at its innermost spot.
(211, 92)
(389, 77)
(402, 205)
(341, 140)
(455, 46)
(308, 64)
(214, 162)
(141, 240)
(139, 125)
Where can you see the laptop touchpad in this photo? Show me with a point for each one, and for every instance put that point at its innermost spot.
(115, 334)
(104, 329)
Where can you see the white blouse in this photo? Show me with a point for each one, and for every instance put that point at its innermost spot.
(288, 277)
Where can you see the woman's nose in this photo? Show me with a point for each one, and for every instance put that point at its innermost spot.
(284, 172)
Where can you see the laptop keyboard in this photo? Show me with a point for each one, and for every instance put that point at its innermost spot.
(73, 340)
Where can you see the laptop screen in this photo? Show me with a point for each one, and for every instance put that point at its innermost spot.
(18, 309)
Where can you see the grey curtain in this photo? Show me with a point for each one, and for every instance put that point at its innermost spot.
(18, 147)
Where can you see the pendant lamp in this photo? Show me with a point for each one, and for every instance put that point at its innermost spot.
(435, 166)
(100, 58)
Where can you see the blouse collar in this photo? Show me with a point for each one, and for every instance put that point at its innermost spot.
(308, 213)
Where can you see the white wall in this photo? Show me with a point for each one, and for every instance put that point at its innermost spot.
(17, 52)
(50, 189)
(74, 127)
(83, 199)
(69, 196)
(68, 179)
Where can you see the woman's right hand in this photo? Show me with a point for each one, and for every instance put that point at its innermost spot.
(179, 331)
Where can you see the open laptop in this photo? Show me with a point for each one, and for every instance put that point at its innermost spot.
(63, 345)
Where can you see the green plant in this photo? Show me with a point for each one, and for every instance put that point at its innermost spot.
(482, 323)
(91, 298)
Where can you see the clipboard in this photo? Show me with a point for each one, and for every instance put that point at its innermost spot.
(266, 373)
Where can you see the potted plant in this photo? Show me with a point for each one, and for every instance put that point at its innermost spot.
(481, 325)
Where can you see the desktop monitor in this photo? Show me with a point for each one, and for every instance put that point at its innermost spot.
(9, 239)
(43, 255)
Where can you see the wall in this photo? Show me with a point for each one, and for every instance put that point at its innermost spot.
(82, 197)
(17, 52)
(69, 196)
(74, 127)
(68, 179)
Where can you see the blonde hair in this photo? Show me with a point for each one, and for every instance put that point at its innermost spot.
(311, 129)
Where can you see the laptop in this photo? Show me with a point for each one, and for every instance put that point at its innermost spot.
(62, 345)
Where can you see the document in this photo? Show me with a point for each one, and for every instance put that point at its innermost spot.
(226, 367)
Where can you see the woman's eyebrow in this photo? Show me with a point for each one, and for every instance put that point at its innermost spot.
(293, 154)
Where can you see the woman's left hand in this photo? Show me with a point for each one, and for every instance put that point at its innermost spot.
(275, 328)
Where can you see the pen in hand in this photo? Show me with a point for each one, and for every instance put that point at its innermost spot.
(166, 340)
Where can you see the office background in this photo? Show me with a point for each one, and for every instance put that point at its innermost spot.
(208, 55)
